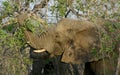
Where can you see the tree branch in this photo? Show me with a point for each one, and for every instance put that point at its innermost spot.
(41, 5)
(67, 13)
(77, 13)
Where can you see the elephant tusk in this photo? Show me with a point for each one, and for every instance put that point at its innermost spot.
(39, 51)
(28, 42)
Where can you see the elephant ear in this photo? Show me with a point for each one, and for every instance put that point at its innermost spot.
(69, 56)
(83, 42)
(75, 56)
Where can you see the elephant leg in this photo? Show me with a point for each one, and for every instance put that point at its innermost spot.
(38, 67)
(70, 69)
(76, 69)
(103, 67)
(88, 70)
(80, 69)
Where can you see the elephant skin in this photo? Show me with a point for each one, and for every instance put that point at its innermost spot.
(74, 40)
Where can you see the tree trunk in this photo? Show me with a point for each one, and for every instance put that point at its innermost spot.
(118, 65)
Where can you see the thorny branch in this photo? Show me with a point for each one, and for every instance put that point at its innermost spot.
(77, 13)
(41, 5)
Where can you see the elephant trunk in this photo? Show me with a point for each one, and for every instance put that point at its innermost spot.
(45, 41)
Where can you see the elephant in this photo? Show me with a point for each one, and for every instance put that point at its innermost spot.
(74, 41)
(63, 37)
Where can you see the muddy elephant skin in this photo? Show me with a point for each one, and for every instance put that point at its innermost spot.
(74, 41)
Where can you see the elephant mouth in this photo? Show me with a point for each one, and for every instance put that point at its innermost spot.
(39, 54)
(39, 51)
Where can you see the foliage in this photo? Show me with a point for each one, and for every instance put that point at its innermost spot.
(14, 53)
(88, 8)
(13, 62)
(60, 7)
(108, 40)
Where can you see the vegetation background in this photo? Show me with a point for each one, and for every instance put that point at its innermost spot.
(37, 15)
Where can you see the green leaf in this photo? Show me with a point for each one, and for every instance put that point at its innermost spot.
(8, 7)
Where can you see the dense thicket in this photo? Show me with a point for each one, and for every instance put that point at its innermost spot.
(36, 16)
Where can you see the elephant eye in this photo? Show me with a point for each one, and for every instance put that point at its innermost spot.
(57, 35)
(58, 43)
(69, 30)
(69, 54)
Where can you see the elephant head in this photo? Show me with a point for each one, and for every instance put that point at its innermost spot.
(46, 42)
(84, 36)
